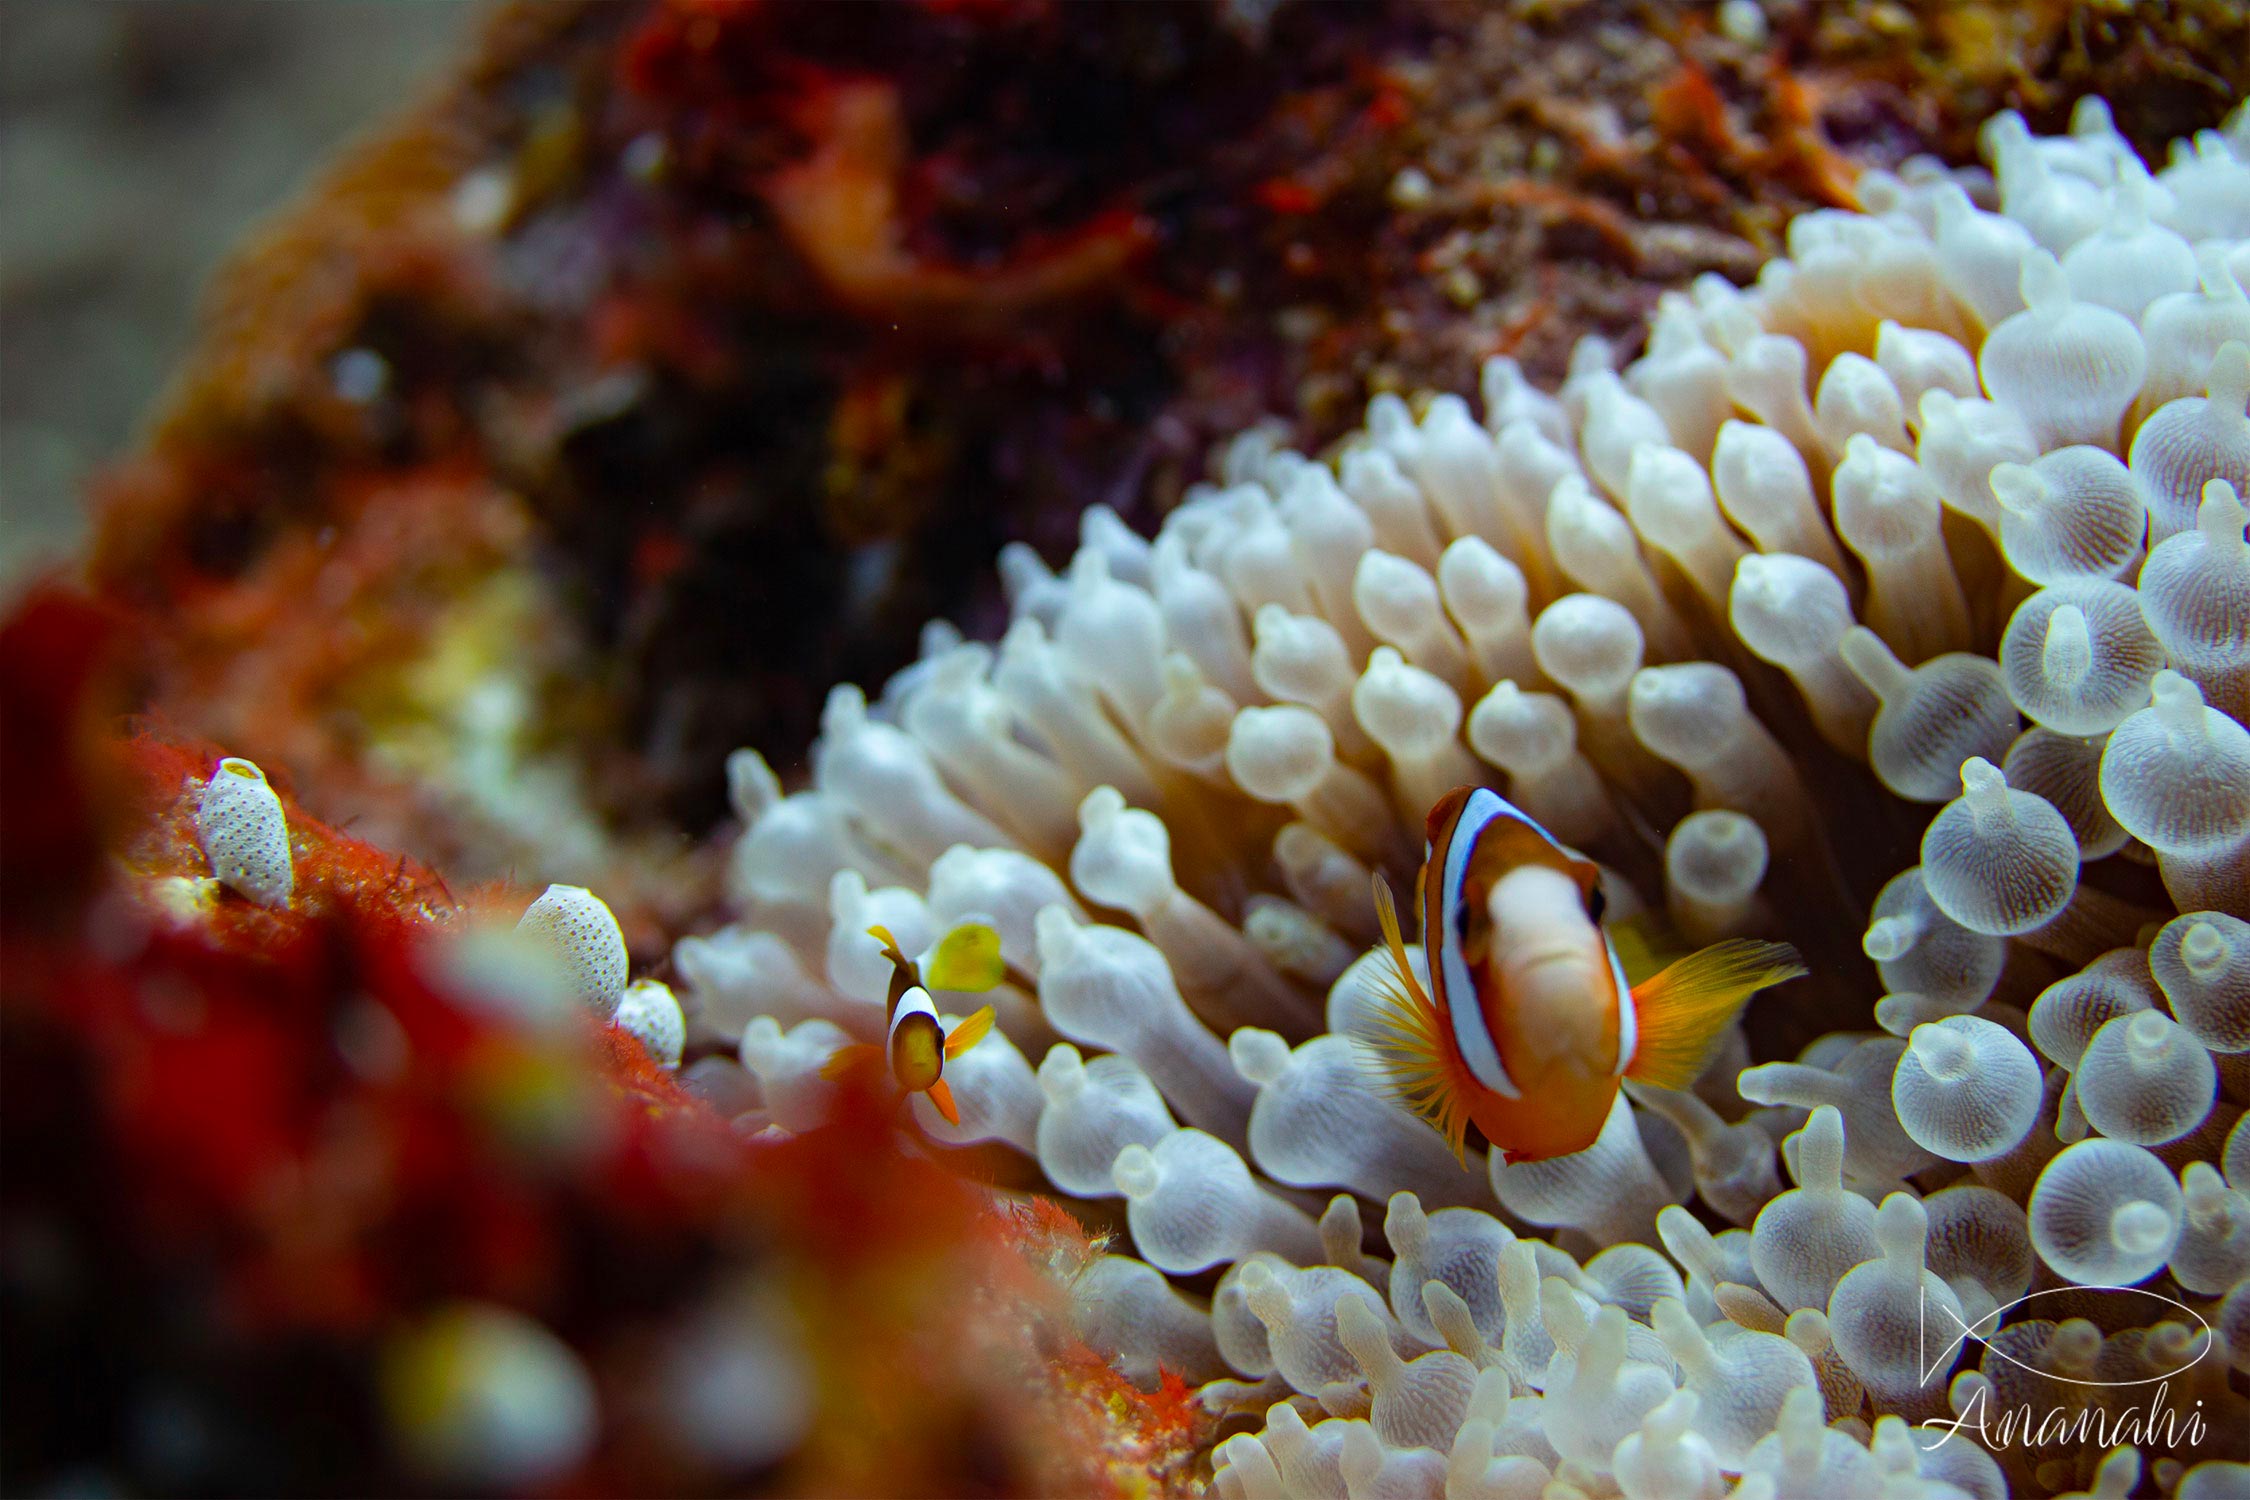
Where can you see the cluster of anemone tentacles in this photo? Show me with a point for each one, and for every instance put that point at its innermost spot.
(1943, 515)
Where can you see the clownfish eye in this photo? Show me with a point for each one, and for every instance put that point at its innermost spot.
(1597, 902)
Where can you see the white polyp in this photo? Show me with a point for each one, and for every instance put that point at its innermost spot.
(1296, 942)
(1399, 601)
(994, 1092)
(2066, 771)
(1714, 862)
(2195, 588)
(2145, 1080)
(1093, 1111)
(648, 1013)
(1739, 1378)
(1888, 513)
(1059, 709)
(1980, 254)
(1617, 422)
(1766, 490)
(1201, 618)
(1485, 594)
(1331, 535)
(1319, 1122)
(1920, 360)
(1126, 1311)
(1805, 1240)
(2202, 963)
(1004, 888)
(2128, 262)
(2189, 442)
(1325, 879)
(1416, 718)
(245, 834)
(1529, 466)
(1259, 562)
(884, 775)
(1509, 397)
(1106, 987)
(2065, 1016)
(1998, 860)
(1856, 1079)
(1857, 398)
(1302, 659)
(1112, 634)
(788, 1068)
(2079, 657)
(1124, 860)
(1189, 725)
(576, 928)
(1460, 1250)
(1416, 1403)
(1285, 754)
(1980, 1242)
(1393, 503)
(2177, 774)
(1733, 1164)
(2052, 190)
(1966, 1089)
(1298, 1309)
(961, 719)
(1596, 1395)
(2214, 1250)
(1960, 443)
(1455, 465)
(1880, 1312)
(1767, 380)
(1032, 590)
(2105, 1213)
(1793, 612)
(1920, 950)
(1931, 717)
(2075, 513)
(1610, 1190)
(1191, 1204)
(1597, 549)
(1534, 738)
(857, 968)
(736, 973)
(2068, 368)
(1591, 647)
(1665, 1459)
(1669, 499)
(2184, 330)
(1682, 376)
(1695, 716)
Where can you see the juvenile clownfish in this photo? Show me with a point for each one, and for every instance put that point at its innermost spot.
(1530, 1025)
(917, 1044)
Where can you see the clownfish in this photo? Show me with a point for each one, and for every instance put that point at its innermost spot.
(1529, 1025)
(916, 1043)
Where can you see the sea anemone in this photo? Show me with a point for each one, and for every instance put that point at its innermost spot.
(1898, 606)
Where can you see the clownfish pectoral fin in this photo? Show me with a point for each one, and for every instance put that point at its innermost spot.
(941, 1095)
(845, 1061)
(1406, 1040)
(970, 1032)
(967, 958)
(1682, 1010)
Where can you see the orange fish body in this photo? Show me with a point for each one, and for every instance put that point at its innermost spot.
(1529, 1025)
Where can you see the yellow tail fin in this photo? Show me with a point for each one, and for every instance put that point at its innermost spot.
(1682, 1010)
(1406, 1040)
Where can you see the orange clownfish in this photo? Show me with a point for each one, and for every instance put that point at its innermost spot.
(1530, 1025)
(917, 1044)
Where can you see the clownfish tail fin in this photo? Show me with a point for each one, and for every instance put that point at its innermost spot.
(1682, 1010)
(1404, 1040)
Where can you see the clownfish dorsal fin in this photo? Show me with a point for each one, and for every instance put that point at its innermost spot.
(1682, 1010)
(1406, 1040)
(970, 1032)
